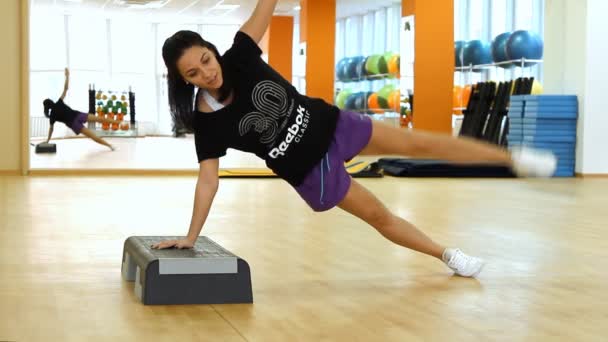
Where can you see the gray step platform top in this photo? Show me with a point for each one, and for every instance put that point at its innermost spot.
(206, 257)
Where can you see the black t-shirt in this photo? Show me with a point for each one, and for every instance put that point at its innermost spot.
(62, 113)
(267, 117)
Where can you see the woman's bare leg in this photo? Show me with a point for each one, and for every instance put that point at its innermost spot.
(389, 140)
(97, 139)
(363, 204)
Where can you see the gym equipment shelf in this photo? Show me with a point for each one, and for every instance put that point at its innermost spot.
(520, 63)
(377, 77)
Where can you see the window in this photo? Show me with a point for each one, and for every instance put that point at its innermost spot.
(485, 19)
(47, 42)
(88, 42)
(499, 21)
(132, 46)
(475, 19)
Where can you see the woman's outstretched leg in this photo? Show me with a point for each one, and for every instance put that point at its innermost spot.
(95, 138)
(389, 140)
(363, 204)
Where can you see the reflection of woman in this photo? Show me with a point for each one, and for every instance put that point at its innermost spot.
(59, 111)
(243, 103)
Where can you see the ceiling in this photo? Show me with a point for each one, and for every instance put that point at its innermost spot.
(212, 9)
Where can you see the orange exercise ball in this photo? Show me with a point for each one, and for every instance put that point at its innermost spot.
(394, 100)
(372, 103)
(394, 64)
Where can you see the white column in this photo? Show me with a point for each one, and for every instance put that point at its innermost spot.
(574, 64)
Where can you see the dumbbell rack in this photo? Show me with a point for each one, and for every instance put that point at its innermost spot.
(132, 131)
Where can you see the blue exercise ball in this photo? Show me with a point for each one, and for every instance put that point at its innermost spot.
(341, 70)
(346, 69)
(524, 44)
(353, 65)
(351, 101)
(499, 49)
(477, 52)
(458, 50)
(361, 72)
(360, 101)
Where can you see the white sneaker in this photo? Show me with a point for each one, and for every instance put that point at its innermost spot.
(462, 264)
(528, 162)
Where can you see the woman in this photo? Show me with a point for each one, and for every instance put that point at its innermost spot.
(59, 111)
(243, 103)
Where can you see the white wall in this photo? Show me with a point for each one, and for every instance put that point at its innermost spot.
(574, 31)
(595, 138)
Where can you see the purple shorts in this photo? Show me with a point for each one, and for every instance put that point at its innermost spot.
(328, 182)
(79, 122)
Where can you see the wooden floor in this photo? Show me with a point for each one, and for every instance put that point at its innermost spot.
(316, 277)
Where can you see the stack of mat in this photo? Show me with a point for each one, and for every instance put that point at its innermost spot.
(400, 167)
(546, 122)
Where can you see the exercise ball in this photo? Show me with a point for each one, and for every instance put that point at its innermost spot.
(376, 65)
(361, 72)
(386, 91)
(350, 101)
(457, 99)
(499, 49)
(340, 69)
(524, 44)
(466, 95)
(460, 97)
(351, 69)
(477, 52)
(373, 103)
(382, 65)
(342, 97)
(458, 50)
(360, 101)
(394, 65)
(371, 65)
(394, 100)
(537, 88)
(384, 94)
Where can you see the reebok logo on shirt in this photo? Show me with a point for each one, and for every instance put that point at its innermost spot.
(294, 133)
